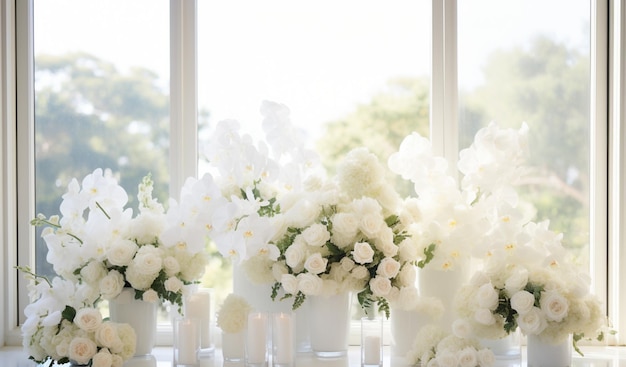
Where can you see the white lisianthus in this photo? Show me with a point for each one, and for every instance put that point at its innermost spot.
(487, 297)
(82, 350)
(111, 285)
(380, 286)
(533, 322)
(316, 235)
(309, 284)
(484, 316)
(88, 319)
(173, 284)
(289, 283)
(363, 253)
(554, 306)
(388, 267)
(316, 264)
(121, 252)
(522, 302)
(150, 296)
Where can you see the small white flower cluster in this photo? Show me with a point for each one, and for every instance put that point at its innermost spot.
(435, 348)
(63, 326)
(232, 316)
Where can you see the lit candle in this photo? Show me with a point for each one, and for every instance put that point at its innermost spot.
(283, 338)
(371, 350)
(198, 306)
(187, 342)
(256, 339)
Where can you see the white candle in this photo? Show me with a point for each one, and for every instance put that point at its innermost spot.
(283, 338)
(256, 338)
(198, 306)
(371, 350)
(187, 342)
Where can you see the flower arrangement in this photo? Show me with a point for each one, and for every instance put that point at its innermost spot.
(232, 316)
(100, 243)
(62, 326)
(434, 347)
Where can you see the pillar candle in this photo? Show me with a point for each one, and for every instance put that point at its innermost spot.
(187, 341)
(198, 306)
(371, 350)
(283, 338)
(256, 338)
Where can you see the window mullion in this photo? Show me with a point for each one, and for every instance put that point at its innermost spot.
(183, 93)
(444, 81)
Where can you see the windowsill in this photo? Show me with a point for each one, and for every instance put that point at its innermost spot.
(594, 357)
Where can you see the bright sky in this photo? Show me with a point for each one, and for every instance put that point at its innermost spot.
(319, 58)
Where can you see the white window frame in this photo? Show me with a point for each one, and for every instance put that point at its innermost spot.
(16, 137)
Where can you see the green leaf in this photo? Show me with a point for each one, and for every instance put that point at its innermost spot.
(429, 252)
(69, 313)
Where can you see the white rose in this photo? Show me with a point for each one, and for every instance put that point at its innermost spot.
(486, 358)
(171, 265)
(316, 235)
(446, 359)
(82, 350)
(384, 242)
(137, 279)
(468, 357)
(295, 254)
(532, 322)
(107, 336)
(148, 260)
(316, 264)
(360, 272)
(345, 224)
(116, 361)
(522, 302)
(102, 359)
(347, 263)
(93, 272)
(278, 269)
(371, 223)
(407, 250)
(121, 252)
(88, 319)
(289, 283)
(380, 286)
(111, 285)
(479, 278)
(173, 284)
(461, 328)
(388, 267)
(309, 284)
(516, 282)
(129, 340)
(484, 316)
(487, 297)
(407, 275)
(363, 253)
(150, 296)
(554, 306)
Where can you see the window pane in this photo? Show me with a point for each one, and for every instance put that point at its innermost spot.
(518, 64)
(102, 97)
(352, 73)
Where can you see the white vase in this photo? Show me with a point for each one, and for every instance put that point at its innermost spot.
(142, 317)
(233, 346)
(506, 348)
(404, 326)
(329, 324)
(444, 285)
(542, 353)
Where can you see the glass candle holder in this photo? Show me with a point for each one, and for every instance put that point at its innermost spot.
(257, 339)
(283, 339)
(197, 305)
(233, 346)
(186, 342)
(371, 341)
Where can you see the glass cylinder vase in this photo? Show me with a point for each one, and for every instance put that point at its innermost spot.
(329, 324)
(546, 353)
(233, 346)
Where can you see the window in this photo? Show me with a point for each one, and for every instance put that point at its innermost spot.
(579, 56)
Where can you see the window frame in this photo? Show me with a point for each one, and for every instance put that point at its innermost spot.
(608, 138)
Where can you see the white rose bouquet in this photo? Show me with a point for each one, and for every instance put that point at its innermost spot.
(62, 326)
(99, 242)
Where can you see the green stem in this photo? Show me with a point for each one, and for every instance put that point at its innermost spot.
(27, 270)
(103, 211)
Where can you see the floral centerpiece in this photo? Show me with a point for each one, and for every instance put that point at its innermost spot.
(99, 242)
(62, 326)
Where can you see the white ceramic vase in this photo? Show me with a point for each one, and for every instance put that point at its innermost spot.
(506, 348)
(142, 317)
(329, 324)
(444, 285)
(404, 326)
(542, 353)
